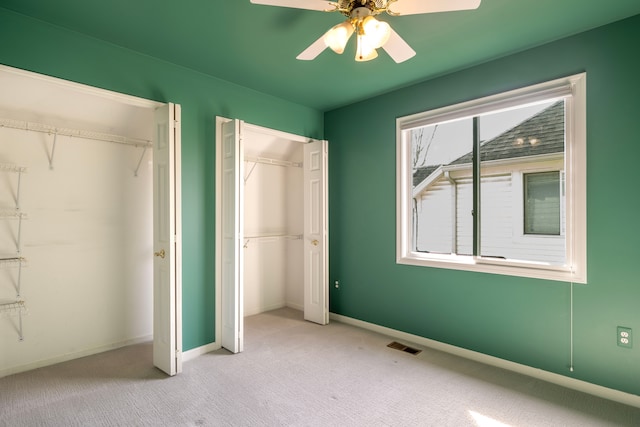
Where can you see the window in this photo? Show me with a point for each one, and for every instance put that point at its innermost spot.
(542, 203)
(497, 184)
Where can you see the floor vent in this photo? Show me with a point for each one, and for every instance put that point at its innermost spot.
(397, 346)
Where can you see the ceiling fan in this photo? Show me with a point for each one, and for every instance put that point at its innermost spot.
(371, 33)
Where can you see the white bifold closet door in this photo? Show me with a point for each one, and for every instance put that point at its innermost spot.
(167, 301)
(231, 213)
(316, 287)
(234, 138)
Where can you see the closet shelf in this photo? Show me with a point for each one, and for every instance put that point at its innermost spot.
(53, 130)
(13, 308)
(275, 162)
(8, 167)
(12, 214)
(12, 262)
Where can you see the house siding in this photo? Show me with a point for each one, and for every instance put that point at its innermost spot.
(501, 230)
(434, 219)
(496, 216)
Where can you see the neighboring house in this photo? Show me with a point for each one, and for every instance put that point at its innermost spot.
(522, 200)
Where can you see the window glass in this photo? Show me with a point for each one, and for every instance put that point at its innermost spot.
(512, 142)
(436, 217)
(542, 203)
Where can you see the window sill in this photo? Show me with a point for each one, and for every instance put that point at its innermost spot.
(495, 266)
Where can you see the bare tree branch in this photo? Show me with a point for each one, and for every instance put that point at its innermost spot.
(420, 147)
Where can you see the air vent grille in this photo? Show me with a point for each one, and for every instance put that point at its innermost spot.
(398, 346)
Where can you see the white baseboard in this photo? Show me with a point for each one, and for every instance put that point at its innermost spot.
(251, 311)
(75, 355)
(264, 308)
(572, 383)
(199, 351)
(295, 306)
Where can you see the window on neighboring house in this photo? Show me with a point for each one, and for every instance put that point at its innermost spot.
(542, 203)
(497, 184)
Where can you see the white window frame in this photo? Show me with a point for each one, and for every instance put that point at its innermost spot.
(573, 89)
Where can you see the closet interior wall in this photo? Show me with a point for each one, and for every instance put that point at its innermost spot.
(273, 223)
(87, 238)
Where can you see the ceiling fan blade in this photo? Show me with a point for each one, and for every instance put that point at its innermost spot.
(398, 49)
(414, 7)
(321, 5)
(316, 48)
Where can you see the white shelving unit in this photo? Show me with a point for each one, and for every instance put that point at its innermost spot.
(15, 307)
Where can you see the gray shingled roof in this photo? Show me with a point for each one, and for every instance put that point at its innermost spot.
(422, 173)
(547, 127)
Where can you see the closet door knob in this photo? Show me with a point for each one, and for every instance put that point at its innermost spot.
(314, 242)
(160, 254)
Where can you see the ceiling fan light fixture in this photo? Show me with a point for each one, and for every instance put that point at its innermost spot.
(377, 32)
(338, 36)
(365, 51)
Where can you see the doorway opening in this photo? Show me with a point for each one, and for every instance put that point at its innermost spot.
(271, 227)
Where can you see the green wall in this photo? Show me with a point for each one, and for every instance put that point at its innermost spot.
(521, 320)
(36, 46)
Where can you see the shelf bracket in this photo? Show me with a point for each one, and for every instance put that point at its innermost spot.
(19, 277)
(19, 239)
(18, 190)
(144, 151)
(13, 308)
(53, 150)
(246, 178)
(20, 334)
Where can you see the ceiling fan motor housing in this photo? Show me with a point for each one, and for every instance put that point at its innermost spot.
(346, 7)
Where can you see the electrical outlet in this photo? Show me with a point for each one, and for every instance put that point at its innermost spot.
(624, 337)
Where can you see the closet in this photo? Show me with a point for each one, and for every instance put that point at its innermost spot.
(76, 181)
(273, 223)
(271, 226)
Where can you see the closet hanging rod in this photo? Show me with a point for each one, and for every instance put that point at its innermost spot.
(275, 162)
(263, 237)
(78, 133)
(271, 237)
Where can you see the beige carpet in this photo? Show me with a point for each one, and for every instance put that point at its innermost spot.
(295, 373)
